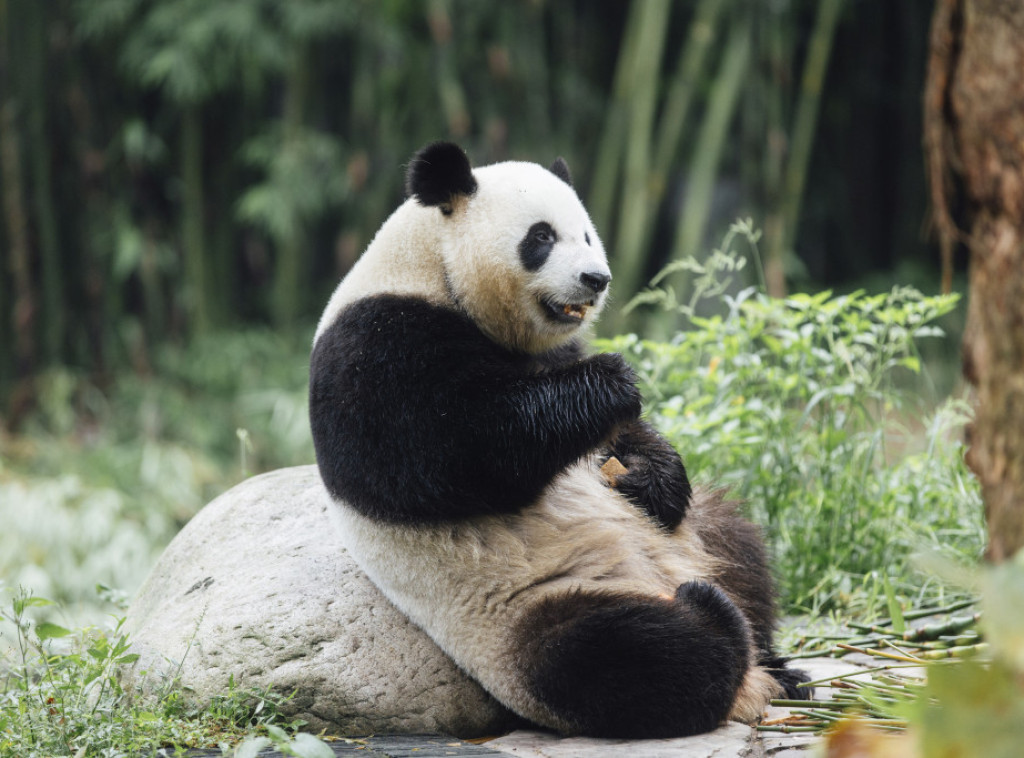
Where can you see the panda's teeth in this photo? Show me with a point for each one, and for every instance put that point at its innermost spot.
(576, 310)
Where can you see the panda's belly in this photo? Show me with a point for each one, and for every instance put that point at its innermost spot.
(467, 584)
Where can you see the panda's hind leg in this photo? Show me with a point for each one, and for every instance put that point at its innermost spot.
(746, 576)
(632, 666)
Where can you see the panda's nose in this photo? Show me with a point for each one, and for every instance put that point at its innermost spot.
(595, 280)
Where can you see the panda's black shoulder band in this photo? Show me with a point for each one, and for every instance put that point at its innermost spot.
(438, 174)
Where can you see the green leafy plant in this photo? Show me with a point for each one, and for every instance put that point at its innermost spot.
(61, 695)
(803, 408)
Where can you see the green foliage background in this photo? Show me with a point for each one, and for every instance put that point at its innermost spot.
(176, 167)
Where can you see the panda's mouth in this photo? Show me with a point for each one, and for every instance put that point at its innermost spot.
(566, 313)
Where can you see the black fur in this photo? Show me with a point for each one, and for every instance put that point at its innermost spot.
(561, 169)
(746, 576)
(438, 173)
(537, 245)
(417, 416)
(790, 679)
(625, 666)
(596, 281)
(656, 481)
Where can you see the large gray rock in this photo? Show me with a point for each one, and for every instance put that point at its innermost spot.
(258, 588)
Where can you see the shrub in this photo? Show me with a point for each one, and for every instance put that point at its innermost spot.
(802, 407)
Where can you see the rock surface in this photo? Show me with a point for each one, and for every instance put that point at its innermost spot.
(256, 587)
(731, 740)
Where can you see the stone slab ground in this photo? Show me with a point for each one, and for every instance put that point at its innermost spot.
(732, 740)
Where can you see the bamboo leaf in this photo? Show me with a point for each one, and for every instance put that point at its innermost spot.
(895, 611)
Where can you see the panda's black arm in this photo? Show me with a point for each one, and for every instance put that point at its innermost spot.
(656, 479)
(531, 427)
(418, 417)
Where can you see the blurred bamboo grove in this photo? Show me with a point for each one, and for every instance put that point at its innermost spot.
(173, 167)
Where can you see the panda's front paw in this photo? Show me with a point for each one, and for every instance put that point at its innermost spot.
(616, 383)
(663, 498)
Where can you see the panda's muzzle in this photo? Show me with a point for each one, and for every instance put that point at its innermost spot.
(566, 313)
(594, 283)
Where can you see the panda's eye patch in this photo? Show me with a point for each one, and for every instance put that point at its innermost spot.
(544, 234)
(536, 246)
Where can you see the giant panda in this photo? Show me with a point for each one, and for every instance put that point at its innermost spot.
(460, 428)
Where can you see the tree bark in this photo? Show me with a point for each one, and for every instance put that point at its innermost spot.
(974, 124)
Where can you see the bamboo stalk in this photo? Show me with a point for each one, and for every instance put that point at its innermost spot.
(12, 189)
(288, 286)
(786, 729)
(825, 704)
(885, 625)
(801, 141)
(711, 141)
(811, 716)
(51, 270)
(192, 232)
(964, 651)
(933, 631)
(699, 39)
(612, 146)
(877, 653)
(859, 672)
(636, 206)
(693, 58)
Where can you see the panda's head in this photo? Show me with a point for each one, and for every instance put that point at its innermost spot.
(521, 256)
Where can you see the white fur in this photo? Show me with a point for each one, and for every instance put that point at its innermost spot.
(470, 259)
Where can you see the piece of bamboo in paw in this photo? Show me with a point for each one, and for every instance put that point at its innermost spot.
(613, 470)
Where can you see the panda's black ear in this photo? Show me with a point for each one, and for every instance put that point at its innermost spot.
(561, 169)
(438, 174)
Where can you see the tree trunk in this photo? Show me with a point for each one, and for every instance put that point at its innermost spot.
(974, 118)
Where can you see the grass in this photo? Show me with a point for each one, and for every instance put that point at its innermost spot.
(60, 695)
